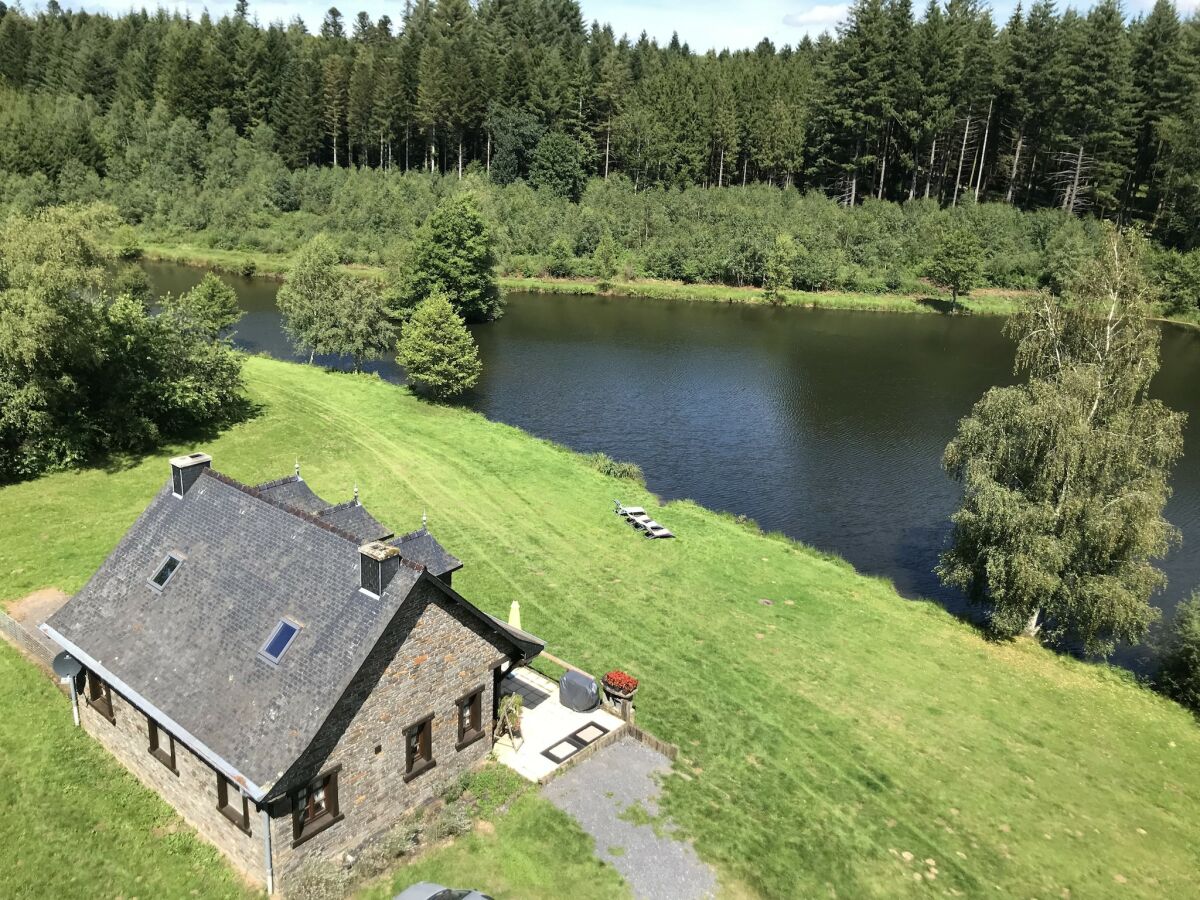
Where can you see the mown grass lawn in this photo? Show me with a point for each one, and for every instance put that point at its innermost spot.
(839, 740)
(77, 824)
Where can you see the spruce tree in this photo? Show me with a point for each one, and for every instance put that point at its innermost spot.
(437, 351)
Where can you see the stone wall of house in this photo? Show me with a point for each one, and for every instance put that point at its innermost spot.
(433, 653)
(193, 791)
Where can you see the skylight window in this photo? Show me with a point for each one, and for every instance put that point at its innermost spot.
(281, 638)
(166, 571)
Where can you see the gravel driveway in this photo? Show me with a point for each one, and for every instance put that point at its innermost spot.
(613, 796)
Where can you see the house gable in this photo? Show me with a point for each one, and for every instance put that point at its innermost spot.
(435, 651)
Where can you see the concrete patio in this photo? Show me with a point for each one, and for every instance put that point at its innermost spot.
(546, 725)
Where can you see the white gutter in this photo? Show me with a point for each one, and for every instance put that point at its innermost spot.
(266, 827)
(174, 728)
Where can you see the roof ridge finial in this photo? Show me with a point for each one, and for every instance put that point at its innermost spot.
(297, 467)
(424, 521)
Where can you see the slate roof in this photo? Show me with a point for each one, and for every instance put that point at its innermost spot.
(293, 491)
(191, 650)
(353, 517)
(422, 547)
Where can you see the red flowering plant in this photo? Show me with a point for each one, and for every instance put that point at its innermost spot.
(620, 681)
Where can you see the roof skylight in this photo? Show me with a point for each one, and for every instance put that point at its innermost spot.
(165, 571)
(281, 638)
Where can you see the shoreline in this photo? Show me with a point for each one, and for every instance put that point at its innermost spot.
(985, 301)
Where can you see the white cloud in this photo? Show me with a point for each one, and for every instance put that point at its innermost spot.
(818, 18)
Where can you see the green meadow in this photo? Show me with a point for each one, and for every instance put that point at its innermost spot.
(835, 738)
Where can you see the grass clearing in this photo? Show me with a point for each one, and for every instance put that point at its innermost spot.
(982, 301)
(838, 739)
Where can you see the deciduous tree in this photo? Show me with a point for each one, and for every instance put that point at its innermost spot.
(1065, 475)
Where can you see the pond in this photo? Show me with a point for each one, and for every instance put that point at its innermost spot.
(825, 425)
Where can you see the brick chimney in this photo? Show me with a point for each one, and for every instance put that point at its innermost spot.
(186, 469)
(377, 563)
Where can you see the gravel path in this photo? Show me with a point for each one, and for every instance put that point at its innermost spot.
(613, 796)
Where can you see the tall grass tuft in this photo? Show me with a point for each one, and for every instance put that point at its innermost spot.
(614, 468)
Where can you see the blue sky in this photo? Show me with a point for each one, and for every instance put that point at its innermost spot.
(704, 24)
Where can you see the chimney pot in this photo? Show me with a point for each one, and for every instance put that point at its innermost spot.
(186, 469)
(377, 564)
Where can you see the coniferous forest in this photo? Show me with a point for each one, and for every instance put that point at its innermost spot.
(257, 136)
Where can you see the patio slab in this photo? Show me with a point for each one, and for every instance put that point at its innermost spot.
(545, 725)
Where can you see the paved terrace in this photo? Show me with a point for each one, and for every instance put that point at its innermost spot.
(546, 725)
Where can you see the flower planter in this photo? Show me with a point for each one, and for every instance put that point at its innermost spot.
(619, 691)
(615, 696)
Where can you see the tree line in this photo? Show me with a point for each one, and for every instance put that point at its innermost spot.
(1078, 112)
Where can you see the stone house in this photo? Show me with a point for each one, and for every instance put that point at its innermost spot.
(287, 673)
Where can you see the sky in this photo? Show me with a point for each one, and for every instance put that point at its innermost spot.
(703, 24)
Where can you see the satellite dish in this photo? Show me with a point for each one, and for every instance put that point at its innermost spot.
(66, 666)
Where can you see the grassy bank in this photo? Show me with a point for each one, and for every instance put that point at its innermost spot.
(270, 265)
(983, 301)
(835, 738)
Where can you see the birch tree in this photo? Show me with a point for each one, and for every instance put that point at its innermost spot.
(1065, 476)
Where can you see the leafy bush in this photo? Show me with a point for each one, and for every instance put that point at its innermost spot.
(1179, 668)
(561, 261)
(125, 243)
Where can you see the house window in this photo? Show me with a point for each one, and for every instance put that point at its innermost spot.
(315, 807)
(99, 696)
(281, 638)
(166, 570)
(162, 746)
(418, 748)
(232, 803)
(470, 718)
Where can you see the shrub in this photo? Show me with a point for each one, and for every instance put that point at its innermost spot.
(452, 820)
(1179, 668)
(125, 243)
(561, 259)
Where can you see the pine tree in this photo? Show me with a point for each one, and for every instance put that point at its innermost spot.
(1162, 87)
(334, 100)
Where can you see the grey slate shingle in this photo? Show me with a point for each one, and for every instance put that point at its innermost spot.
(293, 491)
(353, 517)
(423, 548)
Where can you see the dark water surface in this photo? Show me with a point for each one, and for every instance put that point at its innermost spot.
(826, 425)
